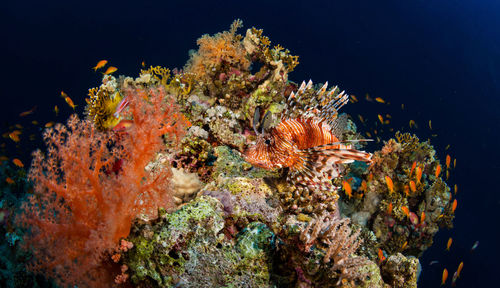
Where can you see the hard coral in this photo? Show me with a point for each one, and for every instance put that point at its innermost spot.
(84, 202)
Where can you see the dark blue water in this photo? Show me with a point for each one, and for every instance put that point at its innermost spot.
(442, 60)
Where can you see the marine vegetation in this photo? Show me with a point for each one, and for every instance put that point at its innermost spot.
(225, 174)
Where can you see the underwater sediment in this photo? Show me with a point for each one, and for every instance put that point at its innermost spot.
(168, 194)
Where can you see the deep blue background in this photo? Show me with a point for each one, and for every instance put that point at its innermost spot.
(442, 60)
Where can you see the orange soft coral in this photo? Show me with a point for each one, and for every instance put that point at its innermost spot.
(224, 48)
(79, 210)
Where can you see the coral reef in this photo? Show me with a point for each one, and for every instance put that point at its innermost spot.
(152, 188)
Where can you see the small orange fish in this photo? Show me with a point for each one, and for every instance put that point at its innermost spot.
(448, 161)
(454, 163)
(14, 135)
(18, 163)
(26, 113)
(110, 70)
(49, 124)
(413, 187)
(407, 190)
(381, 256)
(347, 188)
(448, 245)
(143, 64)
(422, 217)
(403, 247)
(381, 119)
(413, 167)
(406, 211)
(369, 134)
(456, 189)
(368, 98)
(389, 209)
(63, 94)
(370, 177)
(100, 64)
(361, 119)
(438, 171)
(363, 186)
(419, 174)
(56, 109)
(123, 125)
(389, 183)
(447, 174)
(454, 206)
(70, 102)
(9, 180)
(460, 267)
(445, 276)
(379, 100)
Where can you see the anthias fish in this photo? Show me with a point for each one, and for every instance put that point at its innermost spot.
(308, 144)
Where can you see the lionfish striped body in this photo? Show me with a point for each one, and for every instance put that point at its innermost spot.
(308, 144)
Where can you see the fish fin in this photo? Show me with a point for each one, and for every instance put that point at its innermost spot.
(338, 152)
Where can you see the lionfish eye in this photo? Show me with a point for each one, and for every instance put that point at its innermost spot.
(268, 141)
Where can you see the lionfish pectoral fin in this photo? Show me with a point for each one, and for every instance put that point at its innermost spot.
(337, 155)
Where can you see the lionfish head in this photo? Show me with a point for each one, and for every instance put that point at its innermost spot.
(259, 154)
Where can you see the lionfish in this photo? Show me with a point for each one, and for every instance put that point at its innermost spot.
(308, 140)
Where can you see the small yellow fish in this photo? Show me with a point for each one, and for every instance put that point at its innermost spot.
(389, 183)
(49, 124)
(456, 189)
(454, 163)
(379, 100)
(430, 124)
(369, 134)
(447, 174)
(18, 163)
(447, 147)
(100, 64)
(56, 110)
(422, 217)
(448, 245)
(438, 171)
(444, 277)
(403, 247)
(34, 122)
(347, 188)
(110, 70)
(412, 123)
(381, 119)
(402, 106)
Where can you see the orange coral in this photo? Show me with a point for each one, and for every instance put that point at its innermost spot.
(79, 210)
(222, 48)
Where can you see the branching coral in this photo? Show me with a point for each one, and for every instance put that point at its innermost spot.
(90, 185)
(341, 243)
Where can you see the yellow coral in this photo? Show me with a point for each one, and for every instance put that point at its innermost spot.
(101, 107)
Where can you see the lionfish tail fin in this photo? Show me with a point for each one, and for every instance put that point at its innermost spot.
(339, 153)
